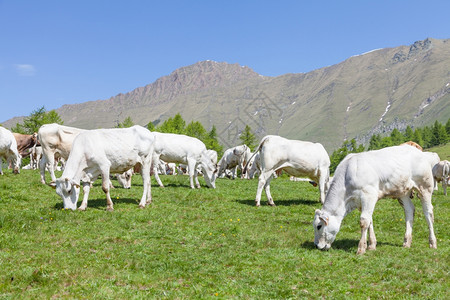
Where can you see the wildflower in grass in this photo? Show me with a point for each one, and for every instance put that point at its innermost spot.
(281, 227)
(239, 220)
(231, 220)
(216, 294)
(210, 233)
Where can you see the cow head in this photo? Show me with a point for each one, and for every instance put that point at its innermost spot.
(125, 179)
(69, 191)
(209, 171)
(325, 229)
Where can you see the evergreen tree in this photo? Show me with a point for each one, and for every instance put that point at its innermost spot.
(396, 137)
(151, 126)
(447, 127)
(375, 142)
(248, 138)
(212, 142)
(417, 137)
(128, 122)
(409, 134)
(439, 134)
(427, 135)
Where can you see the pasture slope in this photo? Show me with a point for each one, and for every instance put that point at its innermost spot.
(208, 244)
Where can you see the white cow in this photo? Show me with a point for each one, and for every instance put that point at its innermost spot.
(183, 149)
(297, 158)
(362, 179)
(8, 150)
(254, 166)
(441, 173)
(101, 151)
(233, 158)
(56, 141)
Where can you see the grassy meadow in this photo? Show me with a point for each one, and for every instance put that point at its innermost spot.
(208, 244)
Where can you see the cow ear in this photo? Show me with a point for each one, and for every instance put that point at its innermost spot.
(324, 218)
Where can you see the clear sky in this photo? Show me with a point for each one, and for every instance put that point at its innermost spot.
(64, 52)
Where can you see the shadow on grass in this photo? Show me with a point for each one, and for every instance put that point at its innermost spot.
(281, 202)
(101, 203)
(347, 245)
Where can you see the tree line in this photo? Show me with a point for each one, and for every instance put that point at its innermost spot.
(426, 137)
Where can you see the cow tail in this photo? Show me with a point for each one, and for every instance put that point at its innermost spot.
(254, 153)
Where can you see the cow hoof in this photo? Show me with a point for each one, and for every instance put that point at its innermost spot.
(361, 251)
(372, 247)
(81, 208)
(271, 204)
(109, 209)
(141, 206)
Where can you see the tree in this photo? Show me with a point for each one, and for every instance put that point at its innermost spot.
(196, 129)
(248, 138)
(212, 143)
(151, 126)
(128, 122)
(417, 137)
(375, 142)
(409, 134)
(447, 127)
(173, 125)
(427, 135)
(36, 119)
(396, 137)
(439, 134)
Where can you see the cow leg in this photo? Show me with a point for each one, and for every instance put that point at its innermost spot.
(368, 202)
(105, 188)
(197, 184)
(372, 238)
(146, 194)
(261, 184)
(42, 165)
(192, 172)
(427, 208)
(444, 185)
(267, 189)
(86, 190)
(409, 209)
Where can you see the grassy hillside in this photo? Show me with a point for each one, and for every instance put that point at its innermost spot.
(443, 151)
(208, 244)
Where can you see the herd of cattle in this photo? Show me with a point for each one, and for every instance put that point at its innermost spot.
(359, 182)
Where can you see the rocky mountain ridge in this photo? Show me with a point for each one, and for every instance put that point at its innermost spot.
(365, 94)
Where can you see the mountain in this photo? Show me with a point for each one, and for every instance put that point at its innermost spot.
(369, 93)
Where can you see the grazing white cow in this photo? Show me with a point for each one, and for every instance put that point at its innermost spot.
(101, 151)
(297, 158)
(8, 150)
(254, 166)
(362, 179)
(56, 141)
(441, 173)
(232, 159)
(183, 149)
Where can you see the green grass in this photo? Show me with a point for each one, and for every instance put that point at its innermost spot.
(443, 151)
(208, 244)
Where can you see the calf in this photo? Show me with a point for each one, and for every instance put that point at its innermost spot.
(362, 179)
(101, 151)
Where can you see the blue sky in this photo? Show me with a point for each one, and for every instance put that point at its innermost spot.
(63, 52)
